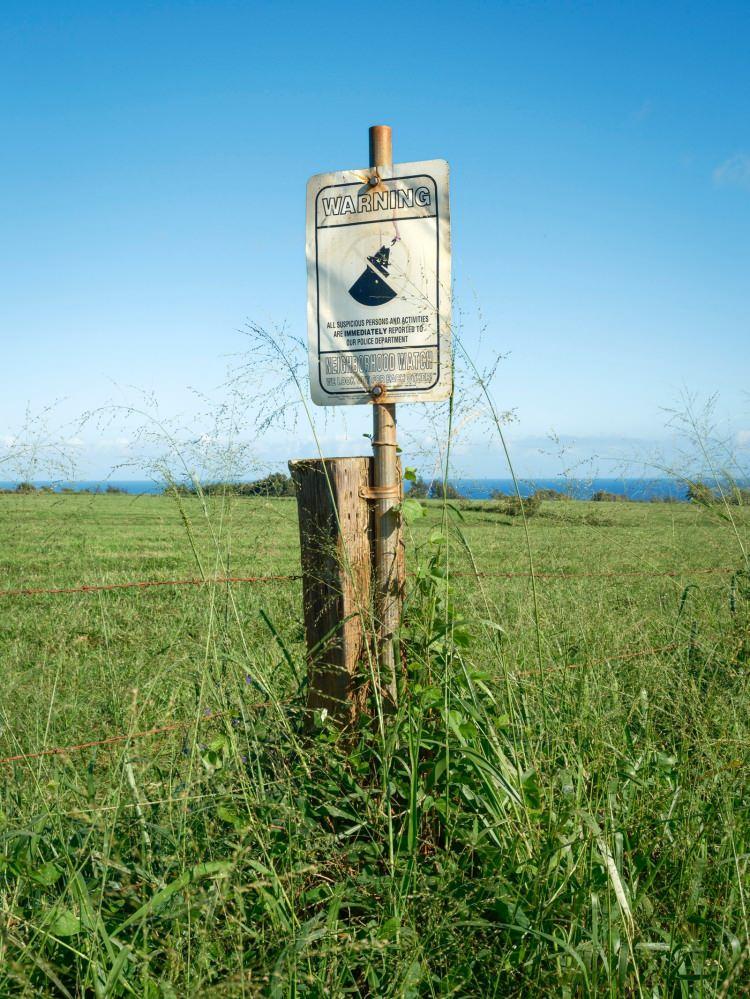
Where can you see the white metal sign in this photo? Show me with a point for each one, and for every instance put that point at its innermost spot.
(379, 284)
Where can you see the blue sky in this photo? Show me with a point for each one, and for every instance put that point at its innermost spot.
(153, 174)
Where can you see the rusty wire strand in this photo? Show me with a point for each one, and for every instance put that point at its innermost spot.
(612, 574)
(483, 574)
(126, 736)
(144, 584)
(624, 656)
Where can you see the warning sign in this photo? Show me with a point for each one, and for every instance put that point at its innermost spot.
(379, 284)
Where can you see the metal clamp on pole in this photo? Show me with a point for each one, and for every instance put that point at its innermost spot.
(381, 493)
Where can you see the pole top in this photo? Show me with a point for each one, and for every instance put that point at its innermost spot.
(381, 145)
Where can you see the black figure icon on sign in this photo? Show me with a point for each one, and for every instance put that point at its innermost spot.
(370, 288)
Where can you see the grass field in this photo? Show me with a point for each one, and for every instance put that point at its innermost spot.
(560, 807)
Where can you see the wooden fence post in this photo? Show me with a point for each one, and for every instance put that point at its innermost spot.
(335, 526)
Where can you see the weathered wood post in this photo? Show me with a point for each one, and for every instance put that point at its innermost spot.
(335, 525)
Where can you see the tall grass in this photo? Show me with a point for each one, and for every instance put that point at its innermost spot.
(558, 805)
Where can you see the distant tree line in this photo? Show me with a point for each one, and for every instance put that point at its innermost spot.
(515, 506)
(436, 489)
(700, 492)
(273, 485)
(602, 496)
(277, 484)
(507, 503)
(29, 487)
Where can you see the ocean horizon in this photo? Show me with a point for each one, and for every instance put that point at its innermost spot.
(637, 489)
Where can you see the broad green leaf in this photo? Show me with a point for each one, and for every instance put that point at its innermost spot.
(227, 815)
(389, 929)
(412, 510)
(65, 924)
(47, 874)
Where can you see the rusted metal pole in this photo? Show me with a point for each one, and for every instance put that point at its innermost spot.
(388, 582)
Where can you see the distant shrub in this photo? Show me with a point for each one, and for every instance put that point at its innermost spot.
(738, 496)
(419, 488)
(513, 506)
(727, 491)
(220, 488)
(180, 489)
(275, 484)
(114, 490)
(444, 490)
(602, 496)
(701, 492)
(551, 494)
(26, 487)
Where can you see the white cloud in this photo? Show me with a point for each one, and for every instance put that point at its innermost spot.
(734, 172)
(743, 438)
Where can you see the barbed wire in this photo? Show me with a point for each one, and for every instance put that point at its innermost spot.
(111, 740)
(623, 656)
(279, 578)
(481, 573)
(131, 736)
(145, 584)
(614, 573)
